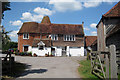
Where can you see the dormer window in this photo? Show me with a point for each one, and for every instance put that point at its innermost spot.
(26, 36)
(54, 37)
(69, 37)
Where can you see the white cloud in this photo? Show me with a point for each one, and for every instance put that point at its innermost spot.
(31, 17)
(86, 29)
(43, 11)
(26, 16)
(36, 17)
(93, 25)
(16, 23)
(61, 0)
(65, 5)
(91, 4)
(74, 5)
(94, 33)
(13, 35)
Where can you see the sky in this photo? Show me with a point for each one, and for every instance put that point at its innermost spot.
(59, 12)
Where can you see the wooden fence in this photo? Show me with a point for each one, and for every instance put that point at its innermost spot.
(106, 64)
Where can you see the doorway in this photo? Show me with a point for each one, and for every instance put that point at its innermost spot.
(64, 51)
(53, 51)
(25, 48)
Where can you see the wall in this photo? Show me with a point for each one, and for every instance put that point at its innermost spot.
(58, 51)
(114, 39)
(41, 52)
(79, 42)
(29, 41)
(76, 51)
(101, 37)
(29, 49)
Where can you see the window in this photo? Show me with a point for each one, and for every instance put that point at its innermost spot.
(54, 37)
(25, 36)
(69, 37)
(40, 47)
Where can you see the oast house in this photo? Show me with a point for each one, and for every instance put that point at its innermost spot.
(49, 38)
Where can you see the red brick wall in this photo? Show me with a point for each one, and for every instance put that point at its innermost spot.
(29, 41)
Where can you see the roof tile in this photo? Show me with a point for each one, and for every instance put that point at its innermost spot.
(114, 12)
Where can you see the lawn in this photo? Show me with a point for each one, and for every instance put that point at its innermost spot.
(85, 70)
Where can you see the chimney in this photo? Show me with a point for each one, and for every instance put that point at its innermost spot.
(82, 23)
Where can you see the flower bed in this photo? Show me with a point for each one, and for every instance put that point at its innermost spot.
(24, 53)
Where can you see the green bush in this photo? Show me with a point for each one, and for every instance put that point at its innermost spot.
(15, 49)
(30, 53)
(22, 53)
(9, 45)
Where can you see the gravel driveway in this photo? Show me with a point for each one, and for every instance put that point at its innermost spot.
(50, 67)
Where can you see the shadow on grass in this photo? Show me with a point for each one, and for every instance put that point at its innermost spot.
(17, 69)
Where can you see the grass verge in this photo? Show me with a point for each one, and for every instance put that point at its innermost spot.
(85, 70)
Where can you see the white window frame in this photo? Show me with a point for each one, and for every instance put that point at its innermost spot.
(67, 37)
(53, 37)
(24, 36)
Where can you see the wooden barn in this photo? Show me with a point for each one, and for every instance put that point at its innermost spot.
(108, 29)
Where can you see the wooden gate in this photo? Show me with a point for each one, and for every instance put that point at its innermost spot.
(106, 63)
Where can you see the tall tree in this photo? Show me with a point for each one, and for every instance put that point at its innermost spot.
(5, 7)
(3, 35)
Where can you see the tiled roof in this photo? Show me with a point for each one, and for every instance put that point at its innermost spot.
(33, 27)
(90, 39)
(114, 12)
(47, 42)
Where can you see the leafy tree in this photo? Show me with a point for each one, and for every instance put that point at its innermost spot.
(3, 35)
(5, 7)
(5, 38)
(10, 45)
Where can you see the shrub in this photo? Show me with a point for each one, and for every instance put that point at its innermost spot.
(30, 53)
(25, 53)
(35, 55)
(46, 55)
(16, 53)
(22, 53)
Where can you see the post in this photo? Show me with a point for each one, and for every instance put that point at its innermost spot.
(0, 39)
(107, 62)
(107, 65)
(113, 64)
(91, 59)
(0, 12)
